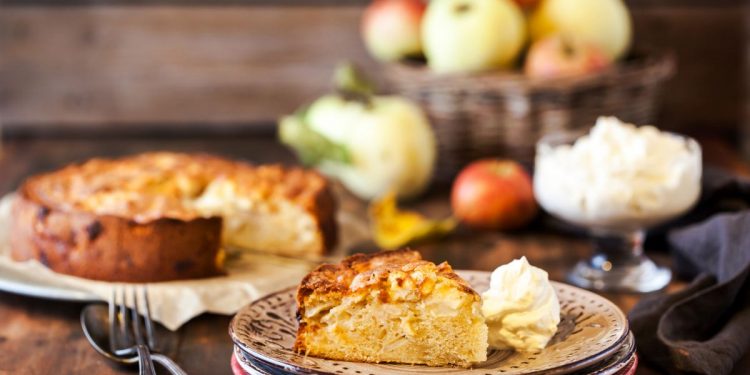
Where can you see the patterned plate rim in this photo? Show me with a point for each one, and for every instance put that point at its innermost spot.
(562, 369)
(615, 368)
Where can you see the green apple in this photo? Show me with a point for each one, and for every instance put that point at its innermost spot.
(373, 144)
(383, 145)
(472, 35)
(605, 23)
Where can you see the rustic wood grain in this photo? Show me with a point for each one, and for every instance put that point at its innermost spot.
(85, 66)
(42, 337)
(708, 93)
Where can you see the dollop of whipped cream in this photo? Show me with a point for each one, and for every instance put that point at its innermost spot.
(619, 176)
(520, 307)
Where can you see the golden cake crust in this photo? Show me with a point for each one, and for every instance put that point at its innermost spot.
(127, 220)
(328, 278)
(154, 185)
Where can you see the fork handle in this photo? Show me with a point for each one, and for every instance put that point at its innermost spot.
(168, 363)
(145, 363)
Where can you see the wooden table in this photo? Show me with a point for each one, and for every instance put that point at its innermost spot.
(42, 337)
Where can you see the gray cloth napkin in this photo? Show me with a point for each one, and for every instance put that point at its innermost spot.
(704, 328)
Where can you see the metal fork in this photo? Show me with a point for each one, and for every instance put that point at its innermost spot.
(125, 328)
(149, 341)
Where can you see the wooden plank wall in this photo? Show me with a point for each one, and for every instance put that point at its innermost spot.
(705, 96)
(122, 65)
(166, 66)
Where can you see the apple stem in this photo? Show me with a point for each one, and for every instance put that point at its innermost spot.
(567, 45)
(352, 84)
(462, 8)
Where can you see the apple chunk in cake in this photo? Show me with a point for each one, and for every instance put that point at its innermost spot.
(390, 307)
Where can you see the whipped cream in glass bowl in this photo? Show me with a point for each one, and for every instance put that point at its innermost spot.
(617, 181)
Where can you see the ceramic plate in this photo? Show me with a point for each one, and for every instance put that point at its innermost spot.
(591, 329)
(621, 361)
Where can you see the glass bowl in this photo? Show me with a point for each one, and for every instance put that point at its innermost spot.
(614, 207)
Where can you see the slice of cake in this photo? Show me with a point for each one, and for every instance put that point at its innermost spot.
(390, 307)
(165, 216)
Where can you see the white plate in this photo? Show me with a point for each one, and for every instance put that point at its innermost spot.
(18, 282)
(173, 303)
(591, 330)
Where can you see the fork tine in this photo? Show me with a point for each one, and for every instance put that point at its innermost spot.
(136, 317)
(149, 323)
(126, 338)
(112, 320)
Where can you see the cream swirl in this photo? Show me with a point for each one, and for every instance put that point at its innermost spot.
(520, 307)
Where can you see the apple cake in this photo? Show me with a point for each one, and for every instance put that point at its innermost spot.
(390, 307)
(166, 216)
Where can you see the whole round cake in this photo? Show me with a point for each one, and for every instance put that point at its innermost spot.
(166, 216)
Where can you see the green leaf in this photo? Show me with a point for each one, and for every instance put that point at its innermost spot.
(310, 146)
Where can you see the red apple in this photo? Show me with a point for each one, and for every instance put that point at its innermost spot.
(557, 56)
(493, 194)
(391, 28)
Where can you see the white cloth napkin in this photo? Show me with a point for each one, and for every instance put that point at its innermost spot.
(249, 277)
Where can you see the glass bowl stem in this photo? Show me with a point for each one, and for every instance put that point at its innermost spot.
(618, 264)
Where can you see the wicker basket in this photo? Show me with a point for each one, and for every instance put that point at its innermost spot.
(505, 113)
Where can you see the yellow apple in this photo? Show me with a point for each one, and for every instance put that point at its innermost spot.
(472, 35)
(605, 23)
